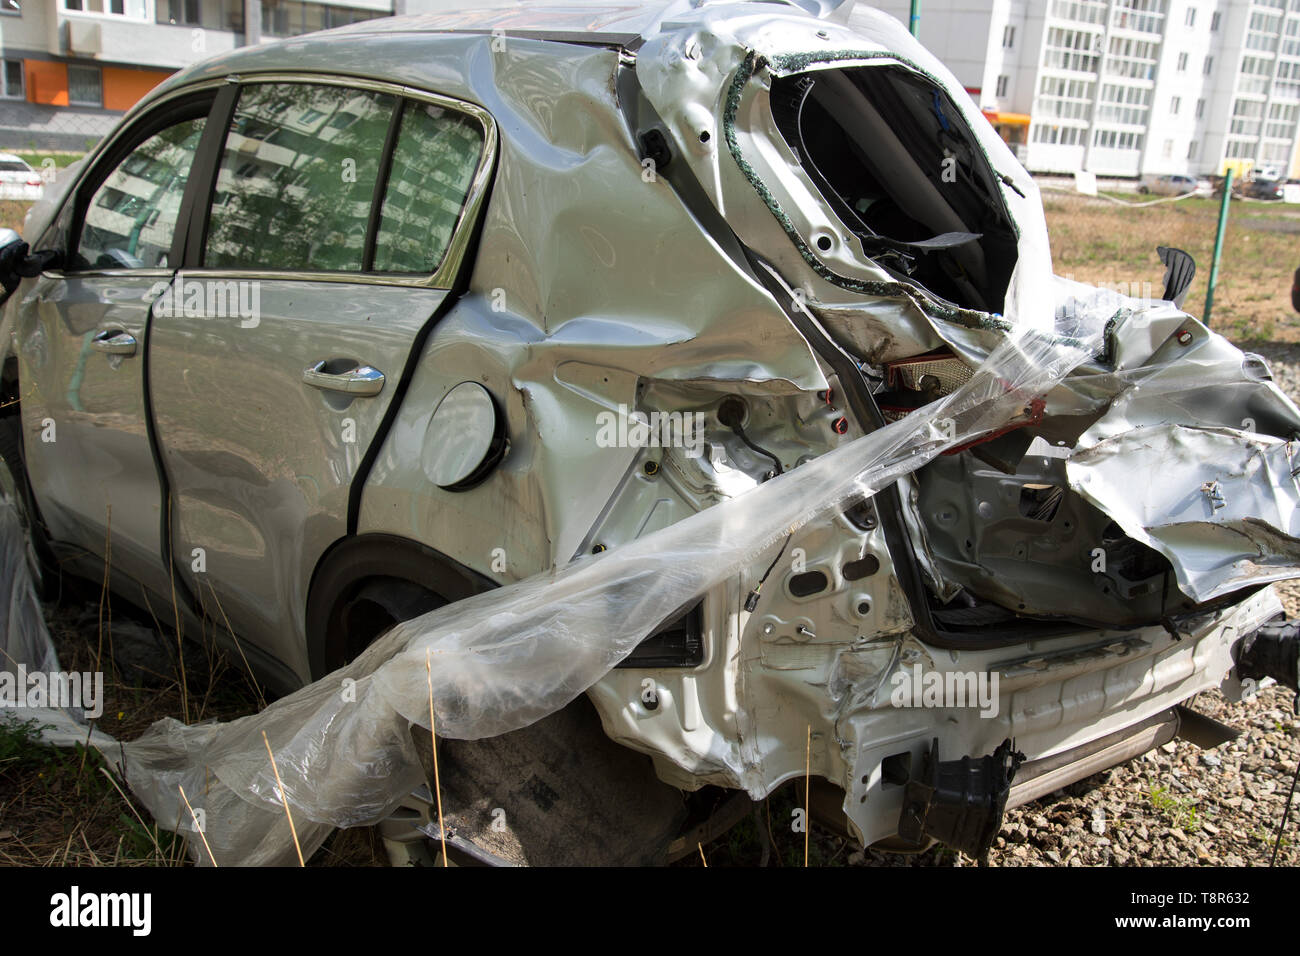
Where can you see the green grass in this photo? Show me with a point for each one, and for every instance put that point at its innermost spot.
(1179, 811)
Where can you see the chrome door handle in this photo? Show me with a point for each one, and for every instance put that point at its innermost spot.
(113, 342)
(361, 380)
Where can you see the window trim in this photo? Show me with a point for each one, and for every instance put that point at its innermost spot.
(470, 213)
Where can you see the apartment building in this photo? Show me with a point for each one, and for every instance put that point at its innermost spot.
(1129, 87)
(69, 68)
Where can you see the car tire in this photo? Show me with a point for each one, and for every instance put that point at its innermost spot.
(14, 486)
(369, 609)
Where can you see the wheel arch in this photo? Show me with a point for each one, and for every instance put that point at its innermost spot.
(354, 560)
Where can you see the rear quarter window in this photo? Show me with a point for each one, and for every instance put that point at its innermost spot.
(434, 162)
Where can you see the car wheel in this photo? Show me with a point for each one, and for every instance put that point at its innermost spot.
(14, 489)
(363, 613)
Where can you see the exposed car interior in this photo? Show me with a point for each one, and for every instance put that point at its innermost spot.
(893, 157)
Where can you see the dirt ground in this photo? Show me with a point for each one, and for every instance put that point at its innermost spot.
(1178, 805)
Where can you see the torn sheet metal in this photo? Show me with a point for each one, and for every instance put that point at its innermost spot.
(503, 660)
(1222, 505)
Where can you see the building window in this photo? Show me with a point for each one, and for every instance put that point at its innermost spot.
(1214, 22)
(180, 12)
(84, 86)
(12, 7)
(222, 15)
(1175, 105)
(1182, 63)
(1209, 65)
(1191, 16)
(11, 80)
(1168, 150)
(286, 18)
(1191, 149)
(1115, 139)
(1200, 109)
(135, 9)
(1008, 37)
(1002, 85)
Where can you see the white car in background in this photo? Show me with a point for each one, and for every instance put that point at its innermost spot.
(1173, 186)
(18, 180)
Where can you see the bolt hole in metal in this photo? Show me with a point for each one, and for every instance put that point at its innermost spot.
(824, 243)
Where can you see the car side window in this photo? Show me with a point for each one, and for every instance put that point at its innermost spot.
(434, 160)
(131, 217)
(297, 178)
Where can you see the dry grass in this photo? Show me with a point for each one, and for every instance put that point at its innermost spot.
(12, 213)
(59, 807)
(1096, 241)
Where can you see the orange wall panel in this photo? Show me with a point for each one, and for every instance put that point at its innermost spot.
(124, 88)
(47, 82)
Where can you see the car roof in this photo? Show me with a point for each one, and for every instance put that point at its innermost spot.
(435, 50)
(11, 158)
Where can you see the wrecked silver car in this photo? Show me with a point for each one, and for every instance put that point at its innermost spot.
(643, 400)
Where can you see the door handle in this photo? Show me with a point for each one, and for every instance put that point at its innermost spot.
(113, 342)
(359, 380)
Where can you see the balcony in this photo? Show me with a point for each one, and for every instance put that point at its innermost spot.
(142, 42)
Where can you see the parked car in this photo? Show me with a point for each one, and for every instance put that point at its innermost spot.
(17, 179)
(1170, 185)
(322, 335)
(1268, 189)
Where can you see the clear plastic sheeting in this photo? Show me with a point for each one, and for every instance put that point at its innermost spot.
(502, 660)
(25, 646)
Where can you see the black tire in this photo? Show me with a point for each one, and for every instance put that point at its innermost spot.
(41, 562)
(370, 608)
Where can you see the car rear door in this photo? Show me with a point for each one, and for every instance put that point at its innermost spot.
(337, 222)
(81, 342)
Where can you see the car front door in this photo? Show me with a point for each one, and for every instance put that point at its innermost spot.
(81, 333)
(335, 226)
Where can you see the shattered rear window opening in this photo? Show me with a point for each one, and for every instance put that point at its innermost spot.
(893, 158)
